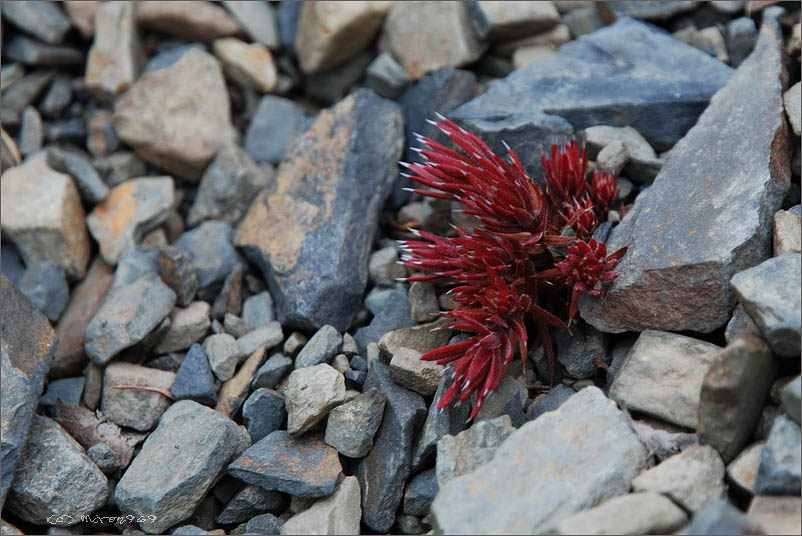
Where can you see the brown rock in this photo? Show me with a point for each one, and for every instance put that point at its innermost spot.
(131, 209)
(331, 32)
(85, 300)
(422, 338)
(248, 64)
(115, 58)
(41, 211)
(724, 185)
(27, 342)
(190, 20)
(177, 117)
(425, 36)
(234, 391)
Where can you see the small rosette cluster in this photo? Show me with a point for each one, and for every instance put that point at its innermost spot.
(524, 267)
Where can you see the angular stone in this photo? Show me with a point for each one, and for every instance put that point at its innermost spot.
(30, 134)
(195, 442)
(235, 390)
(740, 325)
(223, 354)
(742, 471)
(194, 380)
(776, 515)
(740, 35)
(271, 373)
(30, 52)
(734, 391)
(420, 493)
(663, 376)
(22, 93)
(780, 461)
(352, 425)
(793, 107)
(721, 516)
(115, 58)
(651, 11)
(249, 502)
(93, 386)
(330, 33)
(187, 327)
(317, 271)
(593, 453)
(42, 213)
(552, 400)
(407, 369)
(201, 21)
(530, 55)
(311, 392)
(692, 478)
(787, 233)
(423, 302)
(470, 449)
(135, 264)
(264, 413)
(91, 187)
(503, 21)
(67, 390)
(635, 513)
(790, 396)
(265, 523)
(426, 36)
(304, 466)
(391, 311)
(168, 121)
(275, 125)
(227, 187)
(643, 164)
(248, 64)
(104, 457)
(129, 312)
(386, 76)
(44, 20)
(139, 409)
(576, 351)
(383, 265)
(55, 477)
(28, 343)
(258, 19)
(128, 212)
(268, 335)
(321, 348)
(213, 255)
(508, 399)
(338, 514)
(45, 285)
(763, 291)
(385, 469)
(422, 338)
(675, 275)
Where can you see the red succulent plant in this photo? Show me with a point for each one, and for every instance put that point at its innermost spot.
(512, 273)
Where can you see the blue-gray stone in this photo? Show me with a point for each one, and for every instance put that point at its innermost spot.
(741, 35)
(212, 255)
(91, 187)
(30, 52)
(386, 76)
(721, 517)
(44, 20)
(420, 493)
(12, 266)
(134, 264)
(46, 286)
(264, 413)
(358, 363)
(321, 348)
(257, 310)
(781, 459)
(553, 400)
(652, 11)
(68, 390)
(169, 57)
(276, 123)
(391, 311)
(272, 371)
(251, 501)
(194, 379)
(265, 523)
(288, 15)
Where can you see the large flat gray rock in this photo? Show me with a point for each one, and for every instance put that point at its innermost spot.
(563, 462)
(708, 214)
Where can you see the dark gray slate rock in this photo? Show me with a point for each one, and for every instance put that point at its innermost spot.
(251, 501)
(592, 455)
(385, 469)
(301, 466)
(44, 20)
(212, 255)
(321, 348)
(227, 187)
(734, 392)
(651, 11)
(577, 350)
(420, 493)
(257, 310)
(128, 314)
(177, 270)
(46, 286)
(194, 379)
(652, 82)
(21, 93)
(386, 76)
(272, 371)
(91, 187)
(312, 236)
(31, 52)
(264, 524)
(264, 413)
(764, 292)
(707, 216)
(351, 426)
(178, 464)
(331, 86)
(27, 344)
(391, 311)
(57, 98)
(508, 399)
(451, 420)
(138, 262)
(552, 400)
(790, 396)
(275, 125)
(106, 458)
(68, 390)
(288, 14)
(780, 462)
(55, 477)
(721, 517)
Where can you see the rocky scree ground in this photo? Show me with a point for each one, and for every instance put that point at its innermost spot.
(203, 328)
